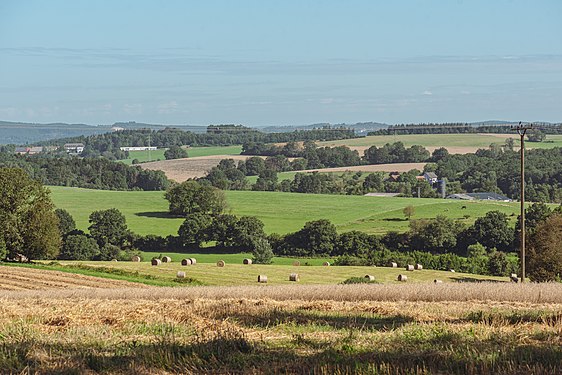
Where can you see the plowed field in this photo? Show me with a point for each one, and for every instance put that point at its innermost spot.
(16, 278)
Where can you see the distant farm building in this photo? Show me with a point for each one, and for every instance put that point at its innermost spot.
(430, 177)
(74, 148)
(480, 196)
(28, 150)
(138, 148)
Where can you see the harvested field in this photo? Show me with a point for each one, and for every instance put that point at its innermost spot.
(182, 169)
(491, 330)
(20, 279)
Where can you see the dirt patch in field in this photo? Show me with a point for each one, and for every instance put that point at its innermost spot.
(395, 167)
(20, 278)
(182, 169)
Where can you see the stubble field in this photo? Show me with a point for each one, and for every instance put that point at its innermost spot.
(466, 328)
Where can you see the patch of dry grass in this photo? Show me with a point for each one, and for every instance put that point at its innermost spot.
(282, 330)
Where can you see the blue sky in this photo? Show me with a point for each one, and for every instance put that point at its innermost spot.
(280, 62)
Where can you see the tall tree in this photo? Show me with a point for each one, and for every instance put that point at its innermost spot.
(28, 223)
(193, 197)
(108, 227)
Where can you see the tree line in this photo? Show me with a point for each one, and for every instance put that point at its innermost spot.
(536, 135)
(92, 173)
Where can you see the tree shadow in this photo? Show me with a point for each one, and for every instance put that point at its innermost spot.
(394, 219)
(157, 214)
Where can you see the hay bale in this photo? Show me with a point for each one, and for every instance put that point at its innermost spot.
(326, 264)
(180, 275)
(186, 262)
(156, 262)
(437, 281)
(114, 260)
(370, 277)
(262, 279)
(418, 267)
(513, 275)
(193, 261)
(402, 278)
(220, 263)
(409, 267)
(166, 260)
(136, 258)
(393, 264)
(296, 263)
(247, 261)
(451, 270)
(294, 277)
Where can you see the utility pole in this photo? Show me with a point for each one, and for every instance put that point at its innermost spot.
(522, 130)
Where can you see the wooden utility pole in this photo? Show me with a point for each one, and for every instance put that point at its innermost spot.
(522, 130)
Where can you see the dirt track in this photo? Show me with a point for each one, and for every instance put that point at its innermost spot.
(20, 278)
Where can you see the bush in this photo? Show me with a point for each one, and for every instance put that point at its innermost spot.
(358, 280)
(261, 251)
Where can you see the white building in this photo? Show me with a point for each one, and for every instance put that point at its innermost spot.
(74, 148)
(141, 148)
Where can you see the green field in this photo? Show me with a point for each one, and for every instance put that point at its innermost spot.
(443, 140)
(146, 212)
(142, 156)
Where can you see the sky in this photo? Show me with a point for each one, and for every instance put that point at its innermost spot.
(290, 62)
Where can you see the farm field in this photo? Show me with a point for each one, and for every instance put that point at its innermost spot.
(20, 278)
(395, 167)
(147, 212)
(142, 156)
(463, 328)
(238, 274)
(455, 143)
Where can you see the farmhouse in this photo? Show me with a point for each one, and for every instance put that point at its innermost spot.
(28, 150)
(74, 148)
(430, 177)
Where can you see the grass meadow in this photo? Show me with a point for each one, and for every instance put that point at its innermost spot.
(466, 328)
(146, 212)
(143, 156)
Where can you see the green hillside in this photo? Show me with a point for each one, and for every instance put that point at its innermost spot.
(143, 156)
(146, 212)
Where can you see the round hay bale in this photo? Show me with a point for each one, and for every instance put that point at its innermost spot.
(370, 277)
(156, 262)
(193, 261)
(186, 262)
(326, 264)
(437, 281)
(114, 260)
(296, 263)
(262, 279)
(221, 263)
(136, 258)
(402, 278)
(409, 267)
(418, 267)
(393, 264)
(166, 260)
(294, 277)
(451, 270)
(180, 275)
(513, 275)
(247, 261)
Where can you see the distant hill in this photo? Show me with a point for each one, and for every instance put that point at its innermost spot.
(361, 128)
(22, 133)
